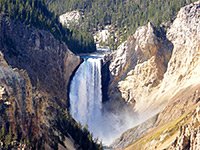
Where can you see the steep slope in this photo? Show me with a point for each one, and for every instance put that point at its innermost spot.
(35, 13)
(189, 134)
(182, 74)
(48, 61)
(138, 66)
(30, 120)
(16, 104)
(183, 68)
(165, 124)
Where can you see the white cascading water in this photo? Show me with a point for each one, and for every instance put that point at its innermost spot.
(86, 103)
(86, 94)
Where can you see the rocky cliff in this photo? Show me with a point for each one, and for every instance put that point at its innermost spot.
(30, 120)
(138, 66)
(70, 19)
(33, 95)
(183, 67)
(161, 130)
(189, 134)
(164, 83)
(48, 61)
(146, 67)
(23, 109)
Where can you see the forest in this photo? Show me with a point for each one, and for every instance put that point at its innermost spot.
(10, 132)
(125, 16)
(35, 13)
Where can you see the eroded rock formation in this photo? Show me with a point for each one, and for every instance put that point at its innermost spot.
(180, 104)
(189, 135)
(70, 19)
(170, 85)
(48, 61)
(151, 70)
(26, 115)
(33, 95)
(138, 66)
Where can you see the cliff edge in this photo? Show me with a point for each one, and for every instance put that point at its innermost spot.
(156, 86)
(48, 61)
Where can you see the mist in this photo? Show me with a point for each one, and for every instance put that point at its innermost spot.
(86, 104)
(113, 124)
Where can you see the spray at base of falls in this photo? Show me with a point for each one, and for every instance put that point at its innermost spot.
(86, 103)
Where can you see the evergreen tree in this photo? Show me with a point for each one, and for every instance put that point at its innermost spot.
(2, 132)
(35, 13)
(120, 13)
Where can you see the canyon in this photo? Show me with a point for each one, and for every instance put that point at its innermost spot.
(150, 85)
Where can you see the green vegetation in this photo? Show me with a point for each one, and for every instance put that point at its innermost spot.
(35, 13)
(10, 134)
(67, 125)
(124, 16)
(34, 135)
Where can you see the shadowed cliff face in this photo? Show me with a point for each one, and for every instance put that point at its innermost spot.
(48, 61)
(33, 95)
(18, 113)
(27, 118)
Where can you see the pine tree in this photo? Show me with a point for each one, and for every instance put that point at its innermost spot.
(2, 132)
(9, 136)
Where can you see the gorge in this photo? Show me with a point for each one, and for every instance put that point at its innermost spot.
(86, 104)
(55, 97)
(157, 74)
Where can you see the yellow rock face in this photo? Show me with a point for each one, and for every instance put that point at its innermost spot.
(149, 70)
(138, 67)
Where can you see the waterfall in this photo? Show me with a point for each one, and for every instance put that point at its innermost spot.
(86, 103)
(86, 94)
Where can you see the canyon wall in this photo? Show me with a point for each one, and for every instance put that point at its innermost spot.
(48, 61)
(138, 66)
(33, 95)
(161, 84)
(150, 67)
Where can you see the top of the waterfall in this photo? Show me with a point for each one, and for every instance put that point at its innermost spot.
(99, 53)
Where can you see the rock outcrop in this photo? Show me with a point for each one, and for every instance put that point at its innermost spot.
(16, 103)
(48, 61)
(149, 69)
(138, 66)
(180, 104)
(70, 18)
(184, 33)
(189, 135)
(153, 87)
(102, 36)
(183, 67)
(33, 95)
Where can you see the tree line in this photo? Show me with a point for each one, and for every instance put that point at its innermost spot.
(124, 15)
(35, 13)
